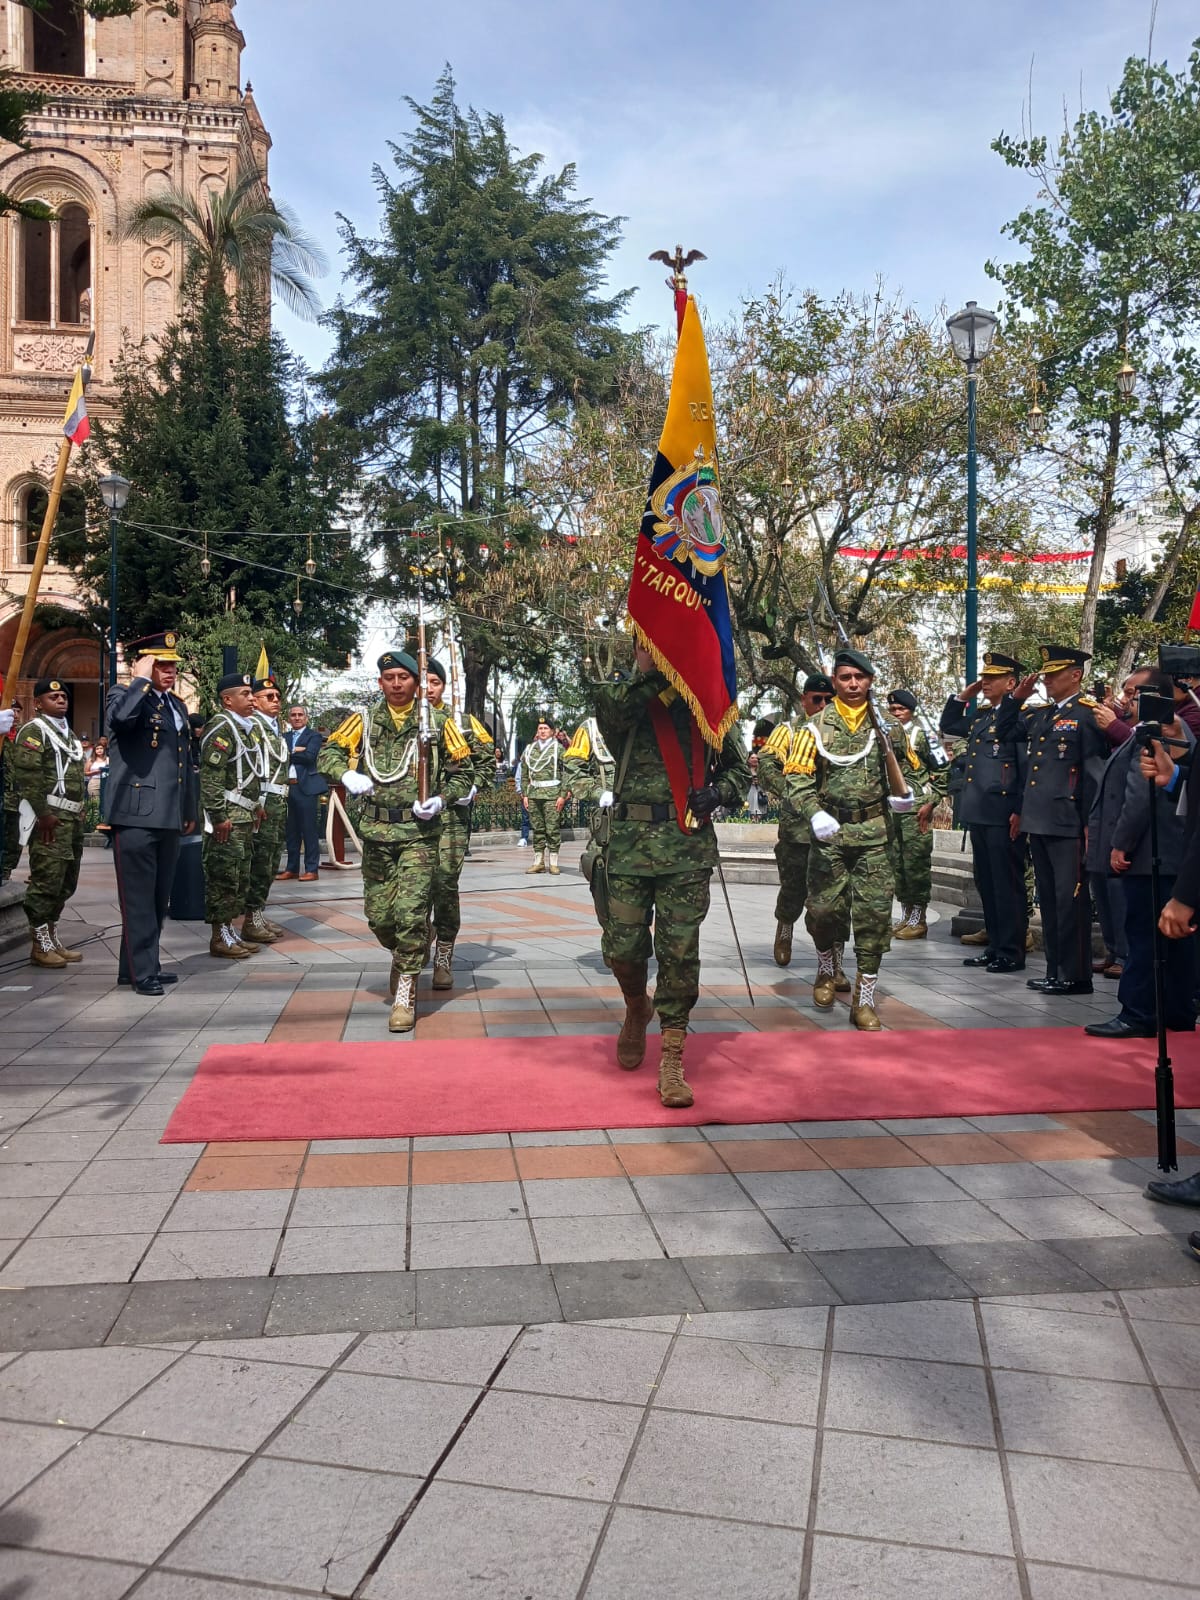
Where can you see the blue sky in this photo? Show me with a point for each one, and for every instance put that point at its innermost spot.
(838, 142)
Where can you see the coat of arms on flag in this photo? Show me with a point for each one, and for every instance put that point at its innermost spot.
(688, 508)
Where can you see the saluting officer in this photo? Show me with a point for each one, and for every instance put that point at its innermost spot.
(989, 807)
(48, 777)
(1067, 752)
(149, 803)
(231, 770)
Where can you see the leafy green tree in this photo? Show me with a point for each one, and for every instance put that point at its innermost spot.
(477, 324)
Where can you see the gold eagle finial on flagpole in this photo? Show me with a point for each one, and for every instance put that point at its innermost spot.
(678, 263)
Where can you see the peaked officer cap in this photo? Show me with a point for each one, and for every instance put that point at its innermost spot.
(162, 646)
(1055, 657)
(996, 665)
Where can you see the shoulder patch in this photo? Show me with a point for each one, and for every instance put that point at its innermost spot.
(457, 747)
(803, 757)
(480, 732)
(580, 747)
(348, 732)
(780, 742)
(30, 741)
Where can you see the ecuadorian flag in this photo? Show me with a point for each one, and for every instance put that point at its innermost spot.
(75, 422)
(678, 602)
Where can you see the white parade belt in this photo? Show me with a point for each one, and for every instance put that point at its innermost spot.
(61, 803)
(275, 788)
(545, 783)
(236, 798)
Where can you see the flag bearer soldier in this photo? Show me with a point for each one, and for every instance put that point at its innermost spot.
(231, 796)
(149, 803)
(795, 835)
(456, 829)
(267, 843)
(928, 774)
(374, 753)
(1067, 752)
(542, 794)
(989, 807)
(838, 782)
(660, 857)
(47, 775)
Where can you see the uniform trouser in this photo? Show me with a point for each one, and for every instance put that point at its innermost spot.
(1108, 898)
(12, 843)
(1136, 988)
(545, 823)
(676, 903)
(264, 853)
(850, 885)
(912, 860)
(53, 872)
(999, 864)
(397, 894)
(1066, 907)
(227, 873)
(452, 850)
(301, 829)
(144, 860)
(792, 859)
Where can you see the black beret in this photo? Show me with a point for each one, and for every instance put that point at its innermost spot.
(269, 682)
(855, 659)
(398, 658)
(817, 683)
(233, 680)
(436, 670)
(903, 697)
(48, 686)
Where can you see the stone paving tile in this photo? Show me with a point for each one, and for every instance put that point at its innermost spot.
(933, 1400)
(914, 1492)
(1026, 1267)
(586, 1363)
(722, 1467)
(805, 1326)
(1172, 1352)
(900, 1185)
(219, 1401)
(76, 1388)
(653, 1160)
(665, 1135)
(460, 1202)
(849, 1227)
(463, 1541)
(781, 1190)
(110, 1258)
(882, 1276)
(1014, 1180)
(297, 1523)
(1042, 1414)
(1060, 1218)
(317, 1303)
(1143, 1262)
(36, 1573)
(1063, 1583)
(359, 1419)
(580, 1197)
(471, 1296)
(594, 1238)
(699, 1192)
(221, 1253)
(1163, 1305)
(125, 1499)
(758, 1282)
(19, 1217)
(26, 1450)
(716, 1233)
(193, 1308)
(55, 1317)
(623, 1288)
(240, 1208)
(471, 1244)
(546, 1444)
(442, 1355)
(677, 1558)
(768, 1382)
(302, 1350)
(947, 1222)
(845, 1567)
(379, 1248)
(131, 1177)
(1071, 1344)
(104, 1214)
(30, 1146)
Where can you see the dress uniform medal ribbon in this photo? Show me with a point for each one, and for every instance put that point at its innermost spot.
(671, 750)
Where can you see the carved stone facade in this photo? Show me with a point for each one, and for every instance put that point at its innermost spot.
(135, 104)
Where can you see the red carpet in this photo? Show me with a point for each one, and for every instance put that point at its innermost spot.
(374, 1091)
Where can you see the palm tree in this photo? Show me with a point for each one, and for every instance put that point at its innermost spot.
(239, 232)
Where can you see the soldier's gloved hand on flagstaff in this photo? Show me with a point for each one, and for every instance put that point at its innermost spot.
(467, 798)
(902, 802)
(426, 810)
(606, 800)
(356, 783)
(703, 802)
(7, 718)
(824, 826)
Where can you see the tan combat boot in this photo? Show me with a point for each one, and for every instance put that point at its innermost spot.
(539, 864)
(639, 1008)
(862, 1007)
(783, 944)
(225, 944)
(393, 978)
(256, 929)
(443, 964)
(554, 869)
(1028, 939)
(841, 982)
(896, 926)
(67, 955)
(982, 938)
(915, 926)
(826, 981)
(672, 1090)
(42, 951)
(403, 1015)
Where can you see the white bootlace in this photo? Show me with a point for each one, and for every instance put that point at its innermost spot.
(824, 963)
(866, 988)
(228, 937)
(405, 986)
(914, 915)
(43, 940)
(443, 953)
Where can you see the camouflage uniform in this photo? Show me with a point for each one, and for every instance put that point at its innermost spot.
(912, 850)
(46, 769)
(231, 760)
(400, 852)
(542, 785)
(795, 835)
(656, 873)
(268, 841)
(589, 772)
(456, 829)
(850, 875)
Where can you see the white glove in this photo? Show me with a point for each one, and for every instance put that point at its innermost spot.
(605, 801)
(426, 810)
(824, 826)
(902, 802)
(357, 783)
(7, 718)
(467, 798)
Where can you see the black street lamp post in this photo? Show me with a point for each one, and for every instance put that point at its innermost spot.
(972, 331)
(114, 490)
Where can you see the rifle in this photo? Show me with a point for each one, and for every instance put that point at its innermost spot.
(424, 719)
(897, 782)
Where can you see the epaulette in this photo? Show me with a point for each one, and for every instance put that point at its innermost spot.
(803, 757)
(480, 732)
(580, 747)
(1086, 700)
(457, 747)
(780, 742)
(668, 695)
(348, 733)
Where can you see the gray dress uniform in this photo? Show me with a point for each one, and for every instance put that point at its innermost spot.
(150, 796)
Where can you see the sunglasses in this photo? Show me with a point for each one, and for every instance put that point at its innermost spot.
(821, 699)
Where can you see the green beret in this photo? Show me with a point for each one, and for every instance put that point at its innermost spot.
(855, 659)
(436, 670)
(398, 658)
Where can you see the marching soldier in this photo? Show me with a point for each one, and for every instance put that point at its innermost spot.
(456, 830)
(48, 777)
(374, 753)
(267, 842)
(1067, 752)
(543, 796)
(989, 806)
(795, 836)
(838, 782)
(912, 840)
(660, 857)
(231, 797)
(590, 772)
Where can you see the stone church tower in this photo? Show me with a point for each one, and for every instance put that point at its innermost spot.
(134, 104)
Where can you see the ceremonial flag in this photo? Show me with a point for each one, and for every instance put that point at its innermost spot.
(75, 423)
(263, 669)
(1193, 620)
(678, 601)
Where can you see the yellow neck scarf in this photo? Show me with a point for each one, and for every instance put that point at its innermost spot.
(400, 714)
(852, 716)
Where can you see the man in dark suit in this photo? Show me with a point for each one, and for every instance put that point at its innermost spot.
(149, 803)
(305, 786)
